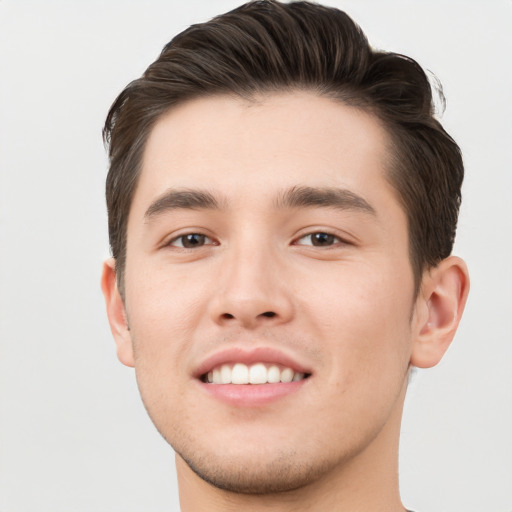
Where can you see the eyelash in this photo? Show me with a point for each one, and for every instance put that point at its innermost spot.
(172, 243)
(335, 240)
(206, 240)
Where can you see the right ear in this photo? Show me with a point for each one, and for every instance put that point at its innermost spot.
(116, 313)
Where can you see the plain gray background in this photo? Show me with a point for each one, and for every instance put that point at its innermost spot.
(73, 433)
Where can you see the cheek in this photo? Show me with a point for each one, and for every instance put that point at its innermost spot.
(163, 309)
(359, 295)
(364, 314)
(369, 357)
(163, 290)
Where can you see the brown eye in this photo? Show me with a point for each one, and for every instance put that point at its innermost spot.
(322, 239)
(191, 241)
(319, 239)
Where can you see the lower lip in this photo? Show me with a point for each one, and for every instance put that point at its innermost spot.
(252, 395)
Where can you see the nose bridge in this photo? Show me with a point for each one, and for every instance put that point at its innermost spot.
(250, 290)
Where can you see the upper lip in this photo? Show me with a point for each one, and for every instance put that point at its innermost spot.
(249, 356)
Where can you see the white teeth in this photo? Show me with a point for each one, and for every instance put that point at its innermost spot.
(258, 374)
(287, 375)
(273, 375)
(225, 374)
(254, 374)
(240, 374)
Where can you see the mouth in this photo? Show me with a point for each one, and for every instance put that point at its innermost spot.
(256, 374)
(252, 377)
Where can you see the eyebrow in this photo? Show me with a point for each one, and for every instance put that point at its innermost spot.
(327, 197)
(183, 199)
(295, 197)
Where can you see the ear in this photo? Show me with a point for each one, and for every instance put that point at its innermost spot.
(116, 313)
(439, 307)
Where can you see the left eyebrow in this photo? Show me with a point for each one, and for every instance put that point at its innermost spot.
(327, 197)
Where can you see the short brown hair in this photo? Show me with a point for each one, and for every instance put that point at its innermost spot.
(266, 46)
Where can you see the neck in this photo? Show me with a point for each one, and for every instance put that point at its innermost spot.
(369, 481)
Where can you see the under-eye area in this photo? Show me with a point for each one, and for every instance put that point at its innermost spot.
(259, 373)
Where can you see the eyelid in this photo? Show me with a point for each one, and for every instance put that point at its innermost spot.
(169, 242)
(340, 239)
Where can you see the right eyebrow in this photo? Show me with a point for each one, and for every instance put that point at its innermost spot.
(185, 199)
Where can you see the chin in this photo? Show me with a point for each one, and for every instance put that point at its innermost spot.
(285, 472)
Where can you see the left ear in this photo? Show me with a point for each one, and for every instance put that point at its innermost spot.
(439, 307)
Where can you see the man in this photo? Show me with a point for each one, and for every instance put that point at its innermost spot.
(282, 208)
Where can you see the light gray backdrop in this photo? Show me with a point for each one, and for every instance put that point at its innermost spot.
(73, 433)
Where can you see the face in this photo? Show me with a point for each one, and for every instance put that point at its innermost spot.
(265, 245)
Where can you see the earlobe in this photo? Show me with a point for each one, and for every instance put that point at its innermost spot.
(442, 299)
(116, 313)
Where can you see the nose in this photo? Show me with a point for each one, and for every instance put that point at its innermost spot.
(251, 291)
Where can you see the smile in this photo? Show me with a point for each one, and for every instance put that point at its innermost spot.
(245, 377)
(258, 373)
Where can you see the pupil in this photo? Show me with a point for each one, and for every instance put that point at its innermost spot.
(323, 239)
(193, 240)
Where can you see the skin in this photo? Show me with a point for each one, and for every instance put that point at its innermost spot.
(345, 310)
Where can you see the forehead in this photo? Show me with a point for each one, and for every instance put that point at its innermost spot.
(243, 149)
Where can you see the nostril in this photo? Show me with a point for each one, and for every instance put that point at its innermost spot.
(230, 316)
